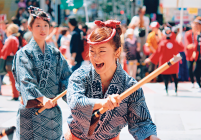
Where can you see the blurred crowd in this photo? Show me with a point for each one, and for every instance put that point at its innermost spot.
(145, 45)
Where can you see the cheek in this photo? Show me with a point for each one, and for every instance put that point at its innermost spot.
(108, 58)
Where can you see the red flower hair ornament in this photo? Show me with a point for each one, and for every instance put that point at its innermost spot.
(110, 24)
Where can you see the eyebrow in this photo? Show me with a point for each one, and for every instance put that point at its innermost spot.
(99, 48)
(102, 47)
(40, 23)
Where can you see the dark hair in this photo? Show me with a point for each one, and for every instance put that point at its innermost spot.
(85, 27)
(102, 33)
(41, 14)
(64, 30)
(20, 38)
(15, 20)
(72, 21)
(18, 15)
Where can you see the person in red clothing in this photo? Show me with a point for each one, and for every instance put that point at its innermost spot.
(85, 53)
(167, 48)
(190, 46)
(9, 49)
(1, 76)
(197, 54)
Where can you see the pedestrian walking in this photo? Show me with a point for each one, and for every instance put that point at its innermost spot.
(9, 50)
(99, 85)
(76, 44)
(65, 42)
(1, 76)
(85, 53)
(197, 53)
(167, 48)
(131, 48)
(153, 39)
(142, 27)
(41, 73)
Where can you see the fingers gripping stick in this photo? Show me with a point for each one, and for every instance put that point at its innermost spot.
(53, 100)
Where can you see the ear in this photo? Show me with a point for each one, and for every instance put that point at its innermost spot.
(30, 29)
(118, 52)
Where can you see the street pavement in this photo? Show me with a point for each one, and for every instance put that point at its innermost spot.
(176, 117)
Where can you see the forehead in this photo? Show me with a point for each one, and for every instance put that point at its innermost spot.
(40, 21)
(101, 46)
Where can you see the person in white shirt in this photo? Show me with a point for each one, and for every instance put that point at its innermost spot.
(65, 41)
(141, 31)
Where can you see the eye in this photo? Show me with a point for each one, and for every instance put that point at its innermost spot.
(102, 51)
(46, 25)
(37, 25)
(91, 50)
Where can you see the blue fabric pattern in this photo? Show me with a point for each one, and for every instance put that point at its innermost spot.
(38, 75)
(85, 89)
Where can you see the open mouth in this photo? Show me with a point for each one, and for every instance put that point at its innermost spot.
(99, 65)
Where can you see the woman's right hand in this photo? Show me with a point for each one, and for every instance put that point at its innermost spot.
(48, 103)
(111, 101)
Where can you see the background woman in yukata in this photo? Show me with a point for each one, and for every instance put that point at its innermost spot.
(41, 73)
(99, 85)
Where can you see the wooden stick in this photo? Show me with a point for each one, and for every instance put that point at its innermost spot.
(132, 89)
(53, 100)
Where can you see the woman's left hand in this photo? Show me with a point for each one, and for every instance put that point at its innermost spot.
(152, 137)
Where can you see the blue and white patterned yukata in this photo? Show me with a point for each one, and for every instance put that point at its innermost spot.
(85, 88)
(38, 75)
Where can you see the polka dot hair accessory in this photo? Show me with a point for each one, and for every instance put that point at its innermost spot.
(110, 24)
(34, 11)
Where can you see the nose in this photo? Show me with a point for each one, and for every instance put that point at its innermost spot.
(42, 28)
(96, 56)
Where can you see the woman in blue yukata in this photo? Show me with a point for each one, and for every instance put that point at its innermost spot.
(99, 85)
(41, 73)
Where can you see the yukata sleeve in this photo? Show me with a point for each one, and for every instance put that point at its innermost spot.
(140, 124)
(64, 77)
(81, 106)
(26, 78)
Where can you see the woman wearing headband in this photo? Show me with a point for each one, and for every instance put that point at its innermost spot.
(41, 73)
(99, 85)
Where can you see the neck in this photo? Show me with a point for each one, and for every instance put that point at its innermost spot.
(141, 15)
(107, 77)
(41, 44)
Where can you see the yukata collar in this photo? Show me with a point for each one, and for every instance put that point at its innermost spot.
(117, 77)
(35, 45)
